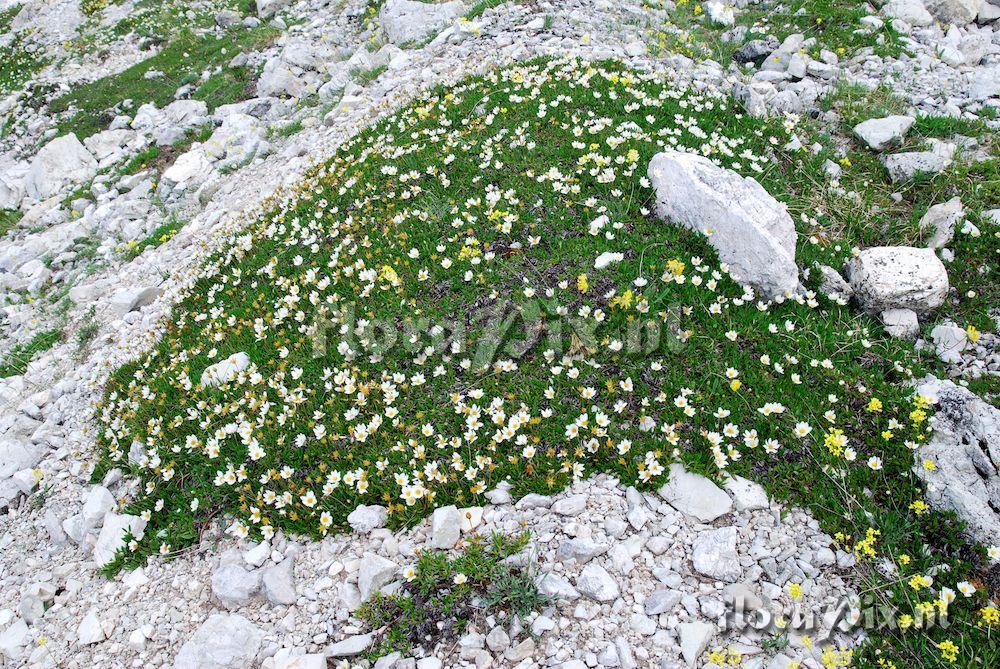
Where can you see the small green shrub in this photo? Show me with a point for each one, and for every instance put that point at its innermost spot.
(443, 595)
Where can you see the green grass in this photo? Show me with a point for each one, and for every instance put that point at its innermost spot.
(8, 219)
(16, 361)
(287, 130)
(365, 77)
(472, 209)
(89, 327)
(183, 59)
(443, 595)
(161, 235)
(480, 7)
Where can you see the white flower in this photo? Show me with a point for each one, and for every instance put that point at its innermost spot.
(966, 588)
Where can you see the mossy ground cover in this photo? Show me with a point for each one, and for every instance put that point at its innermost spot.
(423, 320)
(19, 57)
(87, 109)
(835, 25)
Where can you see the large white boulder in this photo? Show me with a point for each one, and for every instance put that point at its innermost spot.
(222, 642)
(62, 161)
(965, 448)
(751, 231)
(411, 21)
(898, 277)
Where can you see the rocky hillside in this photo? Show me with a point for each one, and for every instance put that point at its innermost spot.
(409, 334)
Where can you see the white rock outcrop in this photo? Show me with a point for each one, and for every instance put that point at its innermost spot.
(411, 21)
(965, 449)
(63, 161)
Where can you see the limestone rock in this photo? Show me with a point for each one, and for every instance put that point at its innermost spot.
(882, 133)
(596, 583)
(133, 298)
(958, 12)
(940, 221)
(912, 12)
(62, 161)
(222, 642)
(267, 8)
(557, 587)
(898, 277)
(112, 536)
(364, 519)
(278, 583)
(714, 554)
(446, 527)
(351, 646)
(901, 323)
(694, 639)
(375, 572)
(965, 447)
(225, 371)
(949, 341)
(408, 22)
(234, 586)
(90, 630)
(905, 166)
(695, 495)
(747, 495)
(750, 230)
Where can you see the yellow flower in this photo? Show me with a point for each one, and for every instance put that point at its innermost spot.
(949, 651)
(581, 283)
(919, 507)
(874, 406)
(795, 591)
(735, 384)
(972, 333)
(990, 615)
